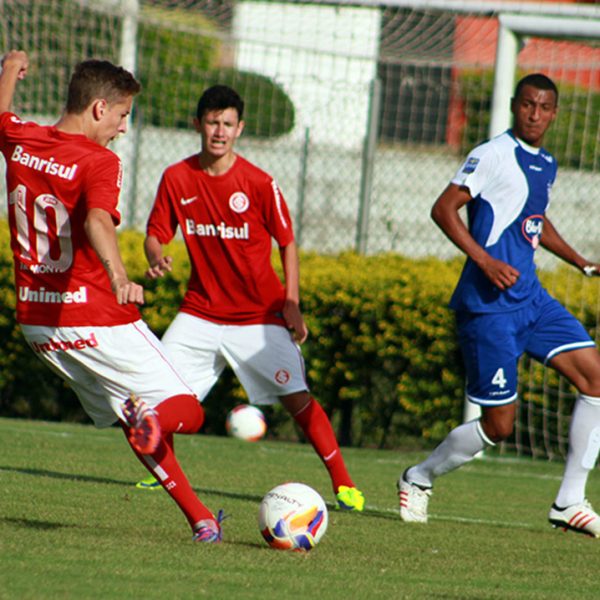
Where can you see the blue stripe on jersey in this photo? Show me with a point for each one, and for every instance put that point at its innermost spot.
(510, 183)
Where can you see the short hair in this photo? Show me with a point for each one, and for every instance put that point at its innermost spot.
(219, 97)
(538, 81)
(99, 79)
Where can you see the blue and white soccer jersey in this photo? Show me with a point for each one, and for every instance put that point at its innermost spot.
(509, 182)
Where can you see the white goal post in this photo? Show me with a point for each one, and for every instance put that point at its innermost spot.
(511, 35)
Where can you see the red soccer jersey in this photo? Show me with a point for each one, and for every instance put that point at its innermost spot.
(228, 223)
(53, 179)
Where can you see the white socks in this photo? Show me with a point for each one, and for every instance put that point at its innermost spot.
(461, 445)
(584, 443)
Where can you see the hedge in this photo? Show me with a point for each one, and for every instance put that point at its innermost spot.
(381, 356)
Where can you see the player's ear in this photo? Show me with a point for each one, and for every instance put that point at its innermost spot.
(197, 124)
(240, 128)
(99, 108)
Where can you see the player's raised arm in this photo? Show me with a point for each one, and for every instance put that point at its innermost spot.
(158, 264)
(291, 308)
(447, 218)
(102, 235)
(555, 243)
(14, 68)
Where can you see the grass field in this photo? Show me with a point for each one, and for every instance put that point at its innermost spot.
(73, 526)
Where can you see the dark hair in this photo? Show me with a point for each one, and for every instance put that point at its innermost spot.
(538, 81)
(219, 97)
(99, 79)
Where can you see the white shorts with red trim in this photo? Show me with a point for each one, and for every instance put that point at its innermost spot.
(265, 358)
(103, 365)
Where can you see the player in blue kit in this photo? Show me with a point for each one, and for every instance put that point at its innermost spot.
(502, 310)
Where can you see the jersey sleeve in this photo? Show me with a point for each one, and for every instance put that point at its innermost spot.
(162, 222)
(477, 170)
(4, 123)
(8, 121)
(278, 220)
(103, 184)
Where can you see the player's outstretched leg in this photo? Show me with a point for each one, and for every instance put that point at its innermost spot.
(571, 511)
(315, 424)
(461, 445)
(179, 413)
(170, 413)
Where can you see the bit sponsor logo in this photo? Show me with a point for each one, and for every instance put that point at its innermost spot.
(532, 229)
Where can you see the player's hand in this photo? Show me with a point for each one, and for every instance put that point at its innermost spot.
(501, 274)
(127, 292)
(164, 265)
(17, 59)
(294, 321)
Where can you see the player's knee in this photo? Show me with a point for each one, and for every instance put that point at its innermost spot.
(497, 431)
(296, 403)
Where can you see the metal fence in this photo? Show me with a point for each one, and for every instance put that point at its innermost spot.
(386, 100)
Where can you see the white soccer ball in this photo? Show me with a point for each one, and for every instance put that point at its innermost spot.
(246, 422)
(292, 516)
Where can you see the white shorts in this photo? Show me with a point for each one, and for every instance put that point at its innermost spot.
(104, 365)
(265, 358)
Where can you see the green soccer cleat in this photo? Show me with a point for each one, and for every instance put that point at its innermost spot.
(149, 483)
(350, 498)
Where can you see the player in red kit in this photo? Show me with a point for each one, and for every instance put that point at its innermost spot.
(75, 304)
(236, 311)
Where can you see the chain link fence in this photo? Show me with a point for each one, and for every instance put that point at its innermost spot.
(362, 113)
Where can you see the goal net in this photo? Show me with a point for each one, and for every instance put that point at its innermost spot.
(361, 110)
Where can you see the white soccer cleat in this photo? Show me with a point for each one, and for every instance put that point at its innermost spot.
(413, 501)
(581, 518)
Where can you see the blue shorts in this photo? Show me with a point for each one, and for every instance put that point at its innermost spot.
(492, 344)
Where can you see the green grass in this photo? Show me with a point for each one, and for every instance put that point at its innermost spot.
(73, 526)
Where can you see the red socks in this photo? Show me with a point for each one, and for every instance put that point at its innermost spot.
(318, 431)
(178, 414)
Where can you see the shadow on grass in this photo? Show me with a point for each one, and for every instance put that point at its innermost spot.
(34, 524)
(368, 512)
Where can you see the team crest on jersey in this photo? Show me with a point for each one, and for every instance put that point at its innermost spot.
(239, 202)
(470, 165)
(16, 120)
(282, 376)
(532, 229)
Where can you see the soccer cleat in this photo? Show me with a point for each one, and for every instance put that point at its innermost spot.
(150, 483)
(350, 498)
(144, 428)
(581, 518)
(413, 501)
(209, 530)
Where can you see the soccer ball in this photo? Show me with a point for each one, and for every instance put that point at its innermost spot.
(246, 422)
(292, 516)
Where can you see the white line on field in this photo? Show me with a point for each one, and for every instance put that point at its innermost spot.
(434, 517)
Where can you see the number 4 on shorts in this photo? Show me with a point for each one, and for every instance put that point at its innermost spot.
(499, 378)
